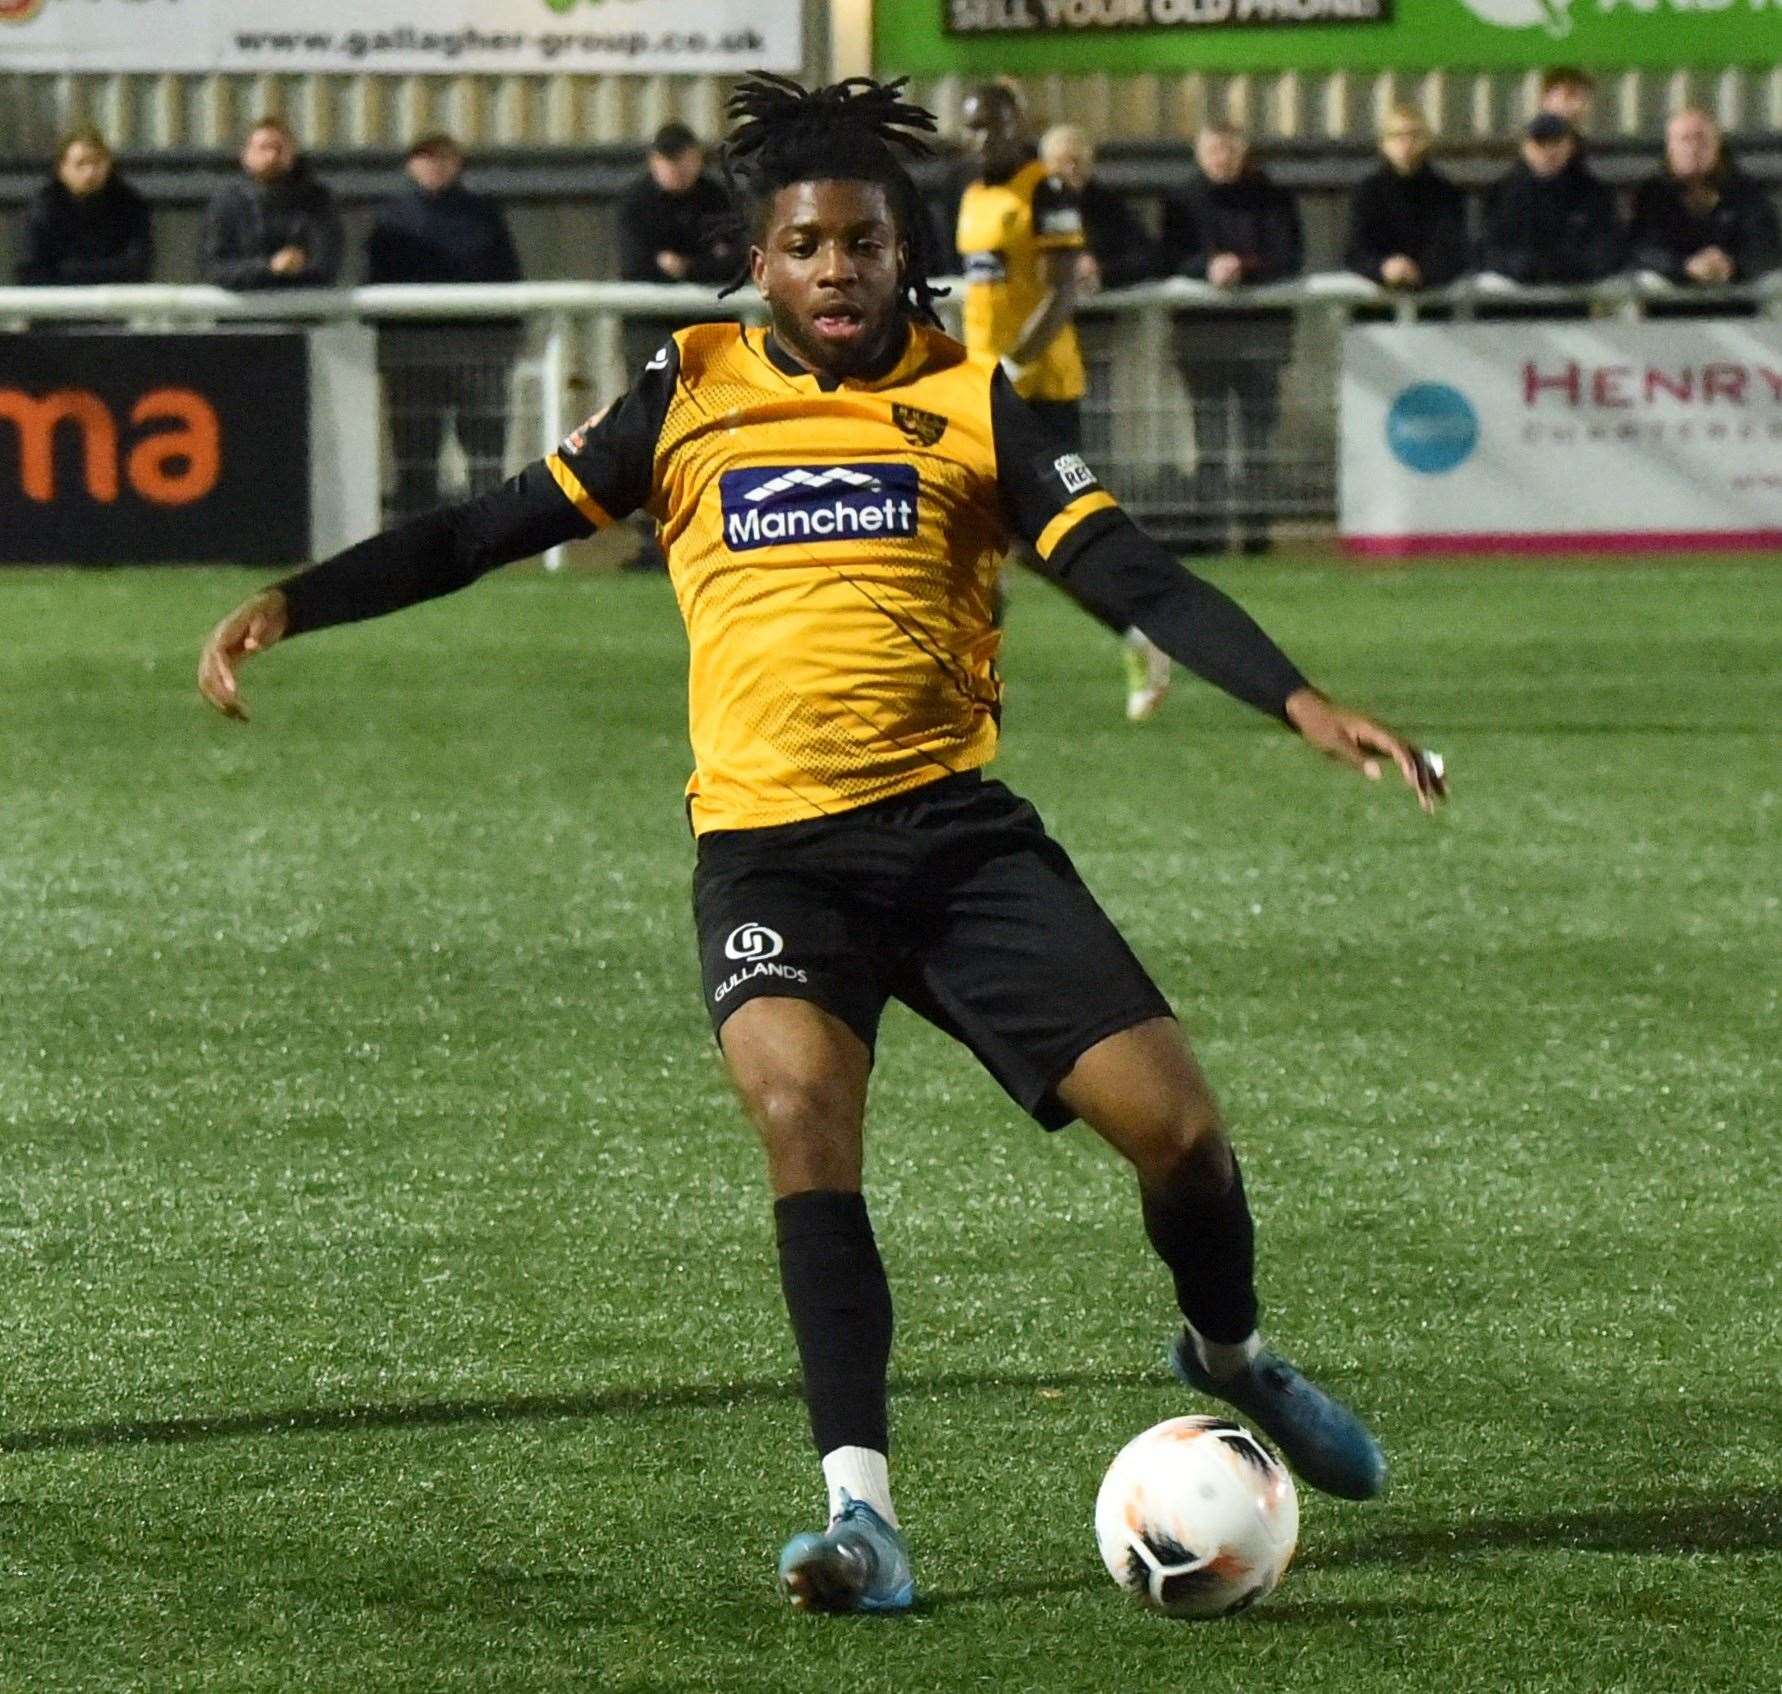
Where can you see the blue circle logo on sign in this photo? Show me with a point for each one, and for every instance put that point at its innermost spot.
(1432, 428)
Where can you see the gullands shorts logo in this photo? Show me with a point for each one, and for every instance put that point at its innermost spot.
(806, 503)
(752, 941)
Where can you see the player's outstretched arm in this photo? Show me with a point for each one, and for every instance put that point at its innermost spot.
(600, 473)
(257, 623)
(433, 555)
(1120, 573)
(1124, 574)
(1362, 743)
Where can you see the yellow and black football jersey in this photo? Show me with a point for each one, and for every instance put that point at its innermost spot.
(833, 545)
(1005, 231)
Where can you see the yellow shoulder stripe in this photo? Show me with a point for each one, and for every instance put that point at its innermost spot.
(1085, 505)
(578, 496)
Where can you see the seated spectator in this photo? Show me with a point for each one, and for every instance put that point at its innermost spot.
(1702, 220)
(667, 218)
(1568, 93)
(1118, 249)
(86, 224)
(1232, 227)
(1407, 222)
(275, 226)
(1551, 219)
(442, 372)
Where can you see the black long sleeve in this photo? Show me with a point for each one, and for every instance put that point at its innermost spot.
(1123, 575)
(432, 555)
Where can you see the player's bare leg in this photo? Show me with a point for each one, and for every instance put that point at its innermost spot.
(1145, 1095)
(802, 1076)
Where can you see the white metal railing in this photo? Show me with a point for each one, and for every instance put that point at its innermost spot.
(1142, 426)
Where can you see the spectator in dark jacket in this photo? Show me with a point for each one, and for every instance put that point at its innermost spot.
(1702, 220)
(1232, 227)
(1118, 249)
(1407, 222)
(442, 372)
(668, 224)
(1551, 219)
(666, 218)
(86, 224)
(436, 229)
(276, 226)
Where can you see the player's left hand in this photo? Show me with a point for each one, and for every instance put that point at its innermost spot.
(254, 625)
(1357, 741)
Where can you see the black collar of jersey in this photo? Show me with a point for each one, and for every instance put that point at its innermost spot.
(1018, 159)
(882, 367)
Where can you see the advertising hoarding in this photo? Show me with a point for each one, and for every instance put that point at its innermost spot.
(142, 449)
(1035, 37)
(404, 36)
(1538, 437)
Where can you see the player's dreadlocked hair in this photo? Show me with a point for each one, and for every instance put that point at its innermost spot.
(851, 131)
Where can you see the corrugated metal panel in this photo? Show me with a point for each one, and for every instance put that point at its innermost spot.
(1464, 106)
(148, 112)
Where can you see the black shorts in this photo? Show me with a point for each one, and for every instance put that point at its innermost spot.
(951, 898)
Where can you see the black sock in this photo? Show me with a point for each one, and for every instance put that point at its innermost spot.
(1199, 1222)
(840, 1305)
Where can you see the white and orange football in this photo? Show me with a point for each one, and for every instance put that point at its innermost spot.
(1197, 1518)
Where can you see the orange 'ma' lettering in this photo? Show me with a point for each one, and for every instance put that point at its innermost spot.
(169, 467)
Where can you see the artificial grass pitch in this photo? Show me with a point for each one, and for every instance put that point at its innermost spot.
(387, 1297)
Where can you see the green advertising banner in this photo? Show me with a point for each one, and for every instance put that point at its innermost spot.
(1035, 37)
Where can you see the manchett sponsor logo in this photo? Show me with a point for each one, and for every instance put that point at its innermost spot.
(1432, 428)
(753, 941)
(1554, 16)
(807, 503)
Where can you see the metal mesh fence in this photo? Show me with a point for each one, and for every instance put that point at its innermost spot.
(461, 410)
(1216, 430)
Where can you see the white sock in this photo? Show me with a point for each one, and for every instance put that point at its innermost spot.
(1225, 1358)
(858, 1473)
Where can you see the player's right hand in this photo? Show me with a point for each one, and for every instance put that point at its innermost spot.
(252, 627)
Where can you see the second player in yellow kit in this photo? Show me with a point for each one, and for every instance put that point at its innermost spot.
(1006, 230)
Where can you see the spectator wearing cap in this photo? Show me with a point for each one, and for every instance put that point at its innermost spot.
(1407, 222)
(1701, 221)
(275, 226)
(667, 217)
(1551, 219)
(442, 374)
(1118, 249)
(1234, 228)
(1568, 92)
(86, 224)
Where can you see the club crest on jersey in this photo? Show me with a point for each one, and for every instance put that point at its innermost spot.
(923, 428)
(778, 504)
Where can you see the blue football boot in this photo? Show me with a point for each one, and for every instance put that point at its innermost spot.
(1327, 1445)
(858, 1564)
